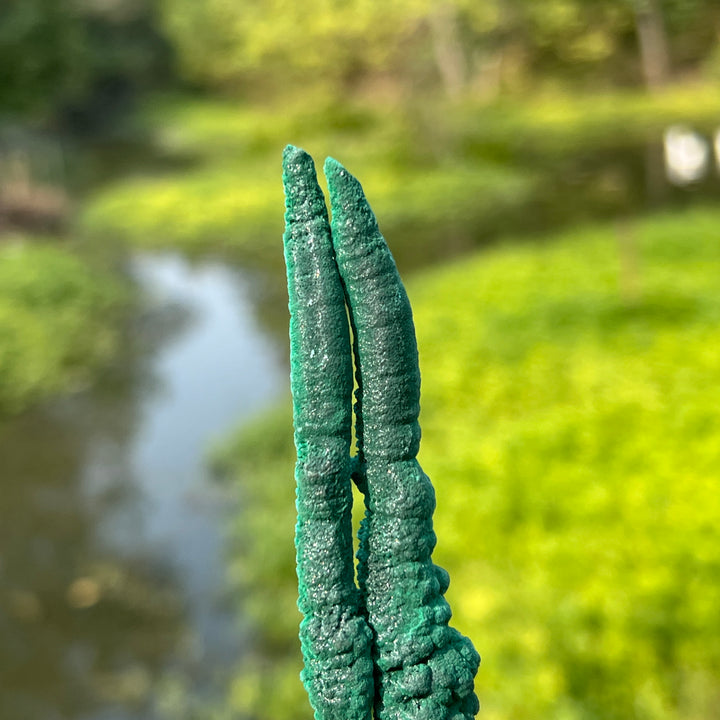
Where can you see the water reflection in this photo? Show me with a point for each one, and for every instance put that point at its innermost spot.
(111, 573)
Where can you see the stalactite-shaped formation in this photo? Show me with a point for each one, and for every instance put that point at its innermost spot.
(423, 669)
(334, 636)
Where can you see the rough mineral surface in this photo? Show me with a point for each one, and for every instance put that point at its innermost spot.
(385, 649)
(334, 636)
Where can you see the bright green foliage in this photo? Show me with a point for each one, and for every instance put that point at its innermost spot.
(458, 43)
(556, 123)
(230, 208)
(460, 172)
(573, 436)
(223, 44)
(581, 430)
(229, 201)
(55, 322)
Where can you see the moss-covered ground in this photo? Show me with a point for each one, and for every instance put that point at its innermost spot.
(571, 428)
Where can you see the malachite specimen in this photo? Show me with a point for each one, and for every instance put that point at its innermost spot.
(382, 648)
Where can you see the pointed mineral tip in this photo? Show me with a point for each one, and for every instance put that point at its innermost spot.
(349, 206)
(339, 179)
(332, 166)
(300, 182)
(291, 152)
(296, 160)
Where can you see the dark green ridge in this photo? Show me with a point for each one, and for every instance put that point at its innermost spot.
(321, 367)
(380, 310)
(335, 638)
(425, 669)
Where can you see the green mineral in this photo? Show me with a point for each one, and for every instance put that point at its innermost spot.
(382, 648)
(334, 635)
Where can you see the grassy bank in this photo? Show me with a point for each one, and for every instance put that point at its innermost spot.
(570, 426)
(462, 171)
(56, 321)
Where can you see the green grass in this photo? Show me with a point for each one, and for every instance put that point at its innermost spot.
(56, 322)
(556, 123)
(213, 128)
(466, 169)
(238, 209)
(571, 428)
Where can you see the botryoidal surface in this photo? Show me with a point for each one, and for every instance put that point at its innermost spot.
(382, 648)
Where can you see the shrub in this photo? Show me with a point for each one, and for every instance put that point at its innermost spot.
(56, 322)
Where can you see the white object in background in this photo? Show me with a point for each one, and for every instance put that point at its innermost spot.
(686, 155)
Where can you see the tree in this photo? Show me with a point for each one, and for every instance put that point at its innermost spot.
(652, 42)
(459, 45)
(56, 53)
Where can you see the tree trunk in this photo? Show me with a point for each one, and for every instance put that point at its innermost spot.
(652, 40)
(448, 50)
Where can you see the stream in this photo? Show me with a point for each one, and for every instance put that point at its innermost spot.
(113, 602)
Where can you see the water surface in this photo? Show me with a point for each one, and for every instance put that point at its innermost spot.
(112, 593)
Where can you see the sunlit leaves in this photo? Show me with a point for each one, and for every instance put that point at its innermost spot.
(56, 322)
(573, 439)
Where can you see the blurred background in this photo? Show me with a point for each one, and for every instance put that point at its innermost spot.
(547, 176)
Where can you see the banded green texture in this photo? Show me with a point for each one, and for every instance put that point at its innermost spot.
(381, 649)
